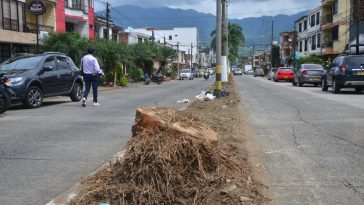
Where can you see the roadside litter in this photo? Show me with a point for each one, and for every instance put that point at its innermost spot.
(205, 96)
(183, 101)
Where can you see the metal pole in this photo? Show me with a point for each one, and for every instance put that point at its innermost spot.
(357, 27)
(178, 56)
(37, 31)
(218, 49)
(191, 56)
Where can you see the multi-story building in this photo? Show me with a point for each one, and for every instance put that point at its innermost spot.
(76, 16)
(357, 15)
(102, 32)
(14, 37)
(309, 37)
(287, 47)
(335, 26)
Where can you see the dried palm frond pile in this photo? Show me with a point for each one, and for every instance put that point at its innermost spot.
(171, 159)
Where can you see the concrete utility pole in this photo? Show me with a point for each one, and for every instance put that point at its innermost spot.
(218, 49)
(224, 45)
(107, 20)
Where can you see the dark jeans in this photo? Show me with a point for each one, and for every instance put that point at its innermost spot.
(90, 79)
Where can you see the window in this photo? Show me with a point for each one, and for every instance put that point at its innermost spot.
(4, 52)
(170, 38)
(300, 47)
(62, 63)
(335, 33)
(50, 62)
(91, 27)
(299, 27)
(313, 20)
(318, 40)
(12, 14)
(306, 44)
(318, 18)
(305, 25)
(104, 33)
(313, 42)
(335, 7)
(71, 64)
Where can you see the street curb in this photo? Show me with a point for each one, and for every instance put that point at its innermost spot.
(66, 197)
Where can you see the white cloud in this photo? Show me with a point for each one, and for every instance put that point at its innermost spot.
(237, 9)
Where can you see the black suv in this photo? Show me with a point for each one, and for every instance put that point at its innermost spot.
(33, 77)
(345, 71)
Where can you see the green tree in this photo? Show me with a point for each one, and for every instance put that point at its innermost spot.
(144, 54)
(311, 59)
(236, 39)
(275, 61)
(70, 43)
(164, 55)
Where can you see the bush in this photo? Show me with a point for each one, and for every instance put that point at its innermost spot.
(123, 81)
(311, 59)
(135, 73)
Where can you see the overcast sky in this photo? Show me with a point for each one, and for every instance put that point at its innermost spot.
(238, 8)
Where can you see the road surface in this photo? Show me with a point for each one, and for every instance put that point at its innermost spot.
(45, 151)
(312, 141)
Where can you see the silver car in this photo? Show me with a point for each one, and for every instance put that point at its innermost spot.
(271, 73)
(308, 73)
(186, 74)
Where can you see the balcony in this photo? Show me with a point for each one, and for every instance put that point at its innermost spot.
(76, 5)
(11, 24)
(32, 28)
(327, 44)
(327, 22)
(325, 3)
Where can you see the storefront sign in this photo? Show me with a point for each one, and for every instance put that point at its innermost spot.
(37, 7)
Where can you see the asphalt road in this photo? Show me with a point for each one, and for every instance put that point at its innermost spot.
(45, 151)
(312, 141)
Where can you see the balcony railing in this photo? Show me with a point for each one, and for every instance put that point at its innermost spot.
(327, 44)
(76, 5)
(32, 28)
(11, 24)
(326, 19)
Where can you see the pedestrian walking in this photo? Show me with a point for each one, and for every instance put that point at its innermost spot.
(91, 71)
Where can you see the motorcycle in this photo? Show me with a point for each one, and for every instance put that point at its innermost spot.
(4, 94)
(157, 78)
(206, 75)
(146, 79)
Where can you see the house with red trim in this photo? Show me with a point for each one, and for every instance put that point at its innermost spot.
(76, 16)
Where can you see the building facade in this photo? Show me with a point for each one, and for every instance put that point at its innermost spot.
(14, 35)
(287, 48)
(76, 16)
(309, 36)
(335, 26)
(46, 21)
(102, 32)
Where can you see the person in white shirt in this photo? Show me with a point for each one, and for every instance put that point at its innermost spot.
(91, 70)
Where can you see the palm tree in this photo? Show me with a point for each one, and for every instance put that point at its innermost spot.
(164, 54)
(235, 40)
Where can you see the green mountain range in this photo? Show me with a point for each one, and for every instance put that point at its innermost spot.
(257, 30)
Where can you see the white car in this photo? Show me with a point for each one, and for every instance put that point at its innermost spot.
(185, 74)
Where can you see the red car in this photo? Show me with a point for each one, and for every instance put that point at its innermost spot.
(284, 73)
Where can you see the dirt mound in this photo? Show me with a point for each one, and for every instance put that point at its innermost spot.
(172, 158)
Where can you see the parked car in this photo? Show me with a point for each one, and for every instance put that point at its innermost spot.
(34, 77)
(186, 74)
(271, 73)
(308, 73)
(283, 73)
(250, 72)
(237, 71)
(345, 71)
(258, 72)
